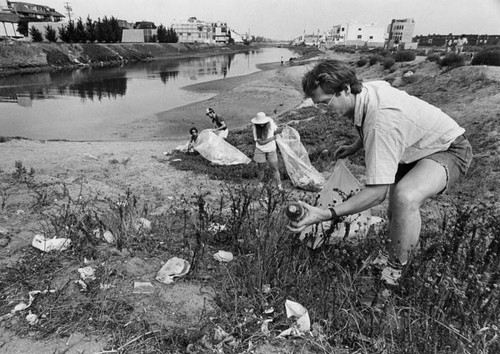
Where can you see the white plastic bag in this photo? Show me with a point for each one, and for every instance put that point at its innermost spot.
(218, 151)
(340, 184)
(50, 244)
(298, 166)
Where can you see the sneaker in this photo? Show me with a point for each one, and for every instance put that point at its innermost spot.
(390, 275)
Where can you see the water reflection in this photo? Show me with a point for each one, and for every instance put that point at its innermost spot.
(91, 103)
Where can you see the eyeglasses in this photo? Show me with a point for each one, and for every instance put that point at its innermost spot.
(324, 106)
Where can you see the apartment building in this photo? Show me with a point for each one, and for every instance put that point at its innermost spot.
(198, 31)
(353, 33)
(33, 12)
(401, 30)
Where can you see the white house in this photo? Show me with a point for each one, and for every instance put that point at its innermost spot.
(356, 34)
(193, 30)
(8, 21)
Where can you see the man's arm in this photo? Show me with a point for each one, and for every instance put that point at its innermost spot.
(368, 197)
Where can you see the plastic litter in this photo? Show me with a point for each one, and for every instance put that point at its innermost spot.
(108, 236)
(23, 306)
(50, 244)
(143, 287)
(215, 227)
(173, 268)
(87, 273)
(298, 166)
(32, 319)
(143, 224)
(223, 256)
(218, 151)
(302, 323)
(342, 181)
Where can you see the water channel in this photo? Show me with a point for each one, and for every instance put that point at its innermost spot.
(88, 103)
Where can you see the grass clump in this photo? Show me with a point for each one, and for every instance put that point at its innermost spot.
(434, 57)
(487, 57)
(402, 56)
(377, 58)
(388, 63)
(452, 60)
(362, 61)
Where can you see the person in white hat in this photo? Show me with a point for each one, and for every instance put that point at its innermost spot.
(264, 136)
(220, 127)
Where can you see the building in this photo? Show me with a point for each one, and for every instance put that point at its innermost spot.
(29, 12)
(8, 25)
(145, 35)
(356, 34)
(401, 33)
(198, 31)
(441, 40)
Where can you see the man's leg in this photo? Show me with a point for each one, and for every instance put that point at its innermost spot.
(423, 181)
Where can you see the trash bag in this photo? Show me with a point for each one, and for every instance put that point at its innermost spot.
(217, 150)
(298, 166)
(341, 184)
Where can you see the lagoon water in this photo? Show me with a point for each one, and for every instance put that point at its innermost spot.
(89, 103)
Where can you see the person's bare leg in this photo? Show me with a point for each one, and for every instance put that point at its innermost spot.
(423, 181)
(261, 171)
(276, 172)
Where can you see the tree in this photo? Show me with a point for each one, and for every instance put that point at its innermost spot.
(172, 36)
(90, 29)
(80, 33)
(50, 33)
(35, 34)
(162, 34)
(63, 34)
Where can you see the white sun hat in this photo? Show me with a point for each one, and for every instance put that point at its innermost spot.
(261, 118)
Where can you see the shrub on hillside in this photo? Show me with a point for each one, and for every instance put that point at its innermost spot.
(362, 62)
(404, 56)
(50, 34)
(377, 58)
(452, 60)
(35, 34)
(388, 62)
(435, 57)
(487, 57)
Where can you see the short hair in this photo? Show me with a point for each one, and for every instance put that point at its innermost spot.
(193, 129)
(333, 76)
(210, 110)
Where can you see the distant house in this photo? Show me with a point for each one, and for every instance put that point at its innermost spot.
(33, 12)
(140, 32)
(353, 33)
(401, 33)
(193, 30)
(8, 25)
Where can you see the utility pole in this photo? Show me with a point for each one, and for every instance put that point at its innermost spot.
(68, 8)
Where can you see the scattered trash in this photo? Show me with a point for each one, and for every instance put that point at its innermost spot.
(82, 284)
(91, 156)
(269, 311)
(143, 287)
(302, 323)
(87, 273)
(223, 256)
(108, 236)
(215, 227)
(19, 212)
(3, 231)
(50, 244)
(175, 267)
(176, 160)
(264, 328)
(266, 289)
(32, 319)
(23, 306)
(143, 224)
(408, 73)
(103, 286)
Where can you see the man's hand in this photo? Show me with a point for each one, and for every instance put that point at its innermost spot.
(347, 150)
(313, 215)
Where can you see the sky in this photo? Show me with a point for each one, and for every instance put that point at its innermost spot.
(288, 19)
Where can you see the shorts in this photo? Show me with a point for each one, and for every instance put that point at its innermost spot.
(456, 161)
(222, 133)
(261, 156)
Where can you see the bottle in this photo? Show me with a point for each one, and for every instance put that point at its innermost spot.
(295, 211)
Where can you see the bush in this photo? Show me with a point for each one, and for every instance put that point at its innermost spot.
(434, 58)
(487, 57)
(374, 59)
(35, 34)
(362, 61)
(50, 34)
(452, 60)
(405, 56)
(388, 62)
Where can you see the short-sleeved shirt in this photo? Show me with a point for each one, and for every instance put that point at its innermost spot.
(270, 146)
(217, 120)
(398, 128)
